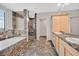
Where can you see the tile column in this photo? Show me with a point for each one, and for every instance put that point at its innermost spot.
(26, 19)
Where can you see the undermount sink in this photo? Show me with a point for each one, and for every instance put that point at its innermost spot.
(72, 40)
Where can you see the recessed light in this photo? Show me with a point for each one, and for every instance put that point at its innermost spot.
(66, 3)
(59, 4)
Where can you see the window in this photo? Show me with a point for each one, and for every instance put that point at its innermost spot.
(1, 20)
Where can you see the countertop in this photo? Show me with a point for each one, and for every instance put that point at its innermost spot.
(63, 36)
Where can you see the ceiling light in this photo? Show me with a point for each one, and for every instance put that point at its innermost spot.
(63, 5)
(59, 4)
(66, 3)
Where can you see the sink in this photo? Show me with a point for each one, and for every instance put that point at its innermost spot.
(72, 40)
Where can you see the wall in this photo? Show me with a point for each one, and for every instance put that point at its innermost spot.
(8, 18)
(44, 25)
(74, 21)
(20, 23)
(43, 28)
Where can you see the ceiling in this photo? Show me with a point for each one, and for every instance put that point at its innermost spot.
(40, 7)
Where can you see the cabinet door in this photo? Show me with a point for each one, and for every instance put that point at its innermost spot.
(55, 24)
(53, 39)
(69, 51)
(57, 43)
(61, 48)
(60, 23)
(64, 23)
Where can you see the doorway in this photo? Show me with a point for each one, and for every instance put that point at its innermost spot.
(31, 28)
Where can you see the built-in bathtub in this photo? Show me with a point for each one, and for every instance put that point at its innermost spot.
(9, 42)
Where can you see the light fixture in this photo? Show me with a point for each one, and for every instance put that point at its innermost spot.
(59, 4)
(66, 4)
(62, 4)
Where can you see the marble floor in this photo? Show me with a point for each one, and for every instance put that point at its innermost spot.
(40, 47)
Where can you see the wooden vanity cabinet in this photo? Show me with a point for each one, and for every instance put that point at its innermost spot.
(69, 51)
(55, 41)
(63, 48)
(57, 44)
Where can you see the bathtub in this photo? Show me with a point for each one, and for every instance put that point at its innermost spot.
(9, 42)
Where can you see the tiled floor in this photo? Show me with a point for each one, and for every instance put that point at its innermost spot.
(40, 48)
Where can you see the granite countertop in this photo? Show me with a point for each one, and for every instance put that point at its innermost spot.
(64, 35)
(9, 42)
(75, 46)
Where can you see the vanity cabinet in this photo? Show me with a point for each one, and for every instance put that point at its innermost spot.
(54, 39)
(62, 47)
(56, 42)
(70, 51)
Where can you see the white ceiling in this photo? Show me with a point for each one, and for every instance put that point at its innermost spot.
(40, 7)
